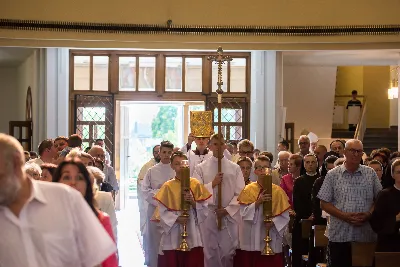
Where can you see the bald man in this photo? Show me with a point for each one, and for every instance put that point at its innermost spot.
(111, 178)
(50, 224)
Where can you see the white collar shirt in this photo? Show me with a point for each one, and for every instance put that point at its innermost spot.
(55, 228)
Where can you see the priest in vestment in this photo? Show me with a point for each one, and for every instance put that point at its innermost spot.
(201, 153)
(220, 245)
(169, 216)
(152, 182)
(302, 206)
(252, 229)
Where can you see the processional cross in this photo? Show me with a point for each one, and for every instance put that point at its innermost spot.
(219, 59)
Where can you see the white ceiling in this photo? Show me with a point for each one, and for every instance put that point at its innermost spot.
(342, 57)
(14, 56)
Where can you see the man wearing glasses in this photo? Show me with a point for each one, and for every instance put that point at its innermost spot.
(348, 194)
(246, 149)
(304, 145)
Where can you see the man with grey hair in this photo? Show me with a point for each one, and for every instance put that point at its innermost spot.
(304, 145)
(45, 224)
(348, 195)
(281, 167)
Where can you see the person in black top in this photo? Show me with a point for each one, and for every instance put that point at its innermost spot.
(302, 206)
(316, 254)
(385, 219)
(354, 102)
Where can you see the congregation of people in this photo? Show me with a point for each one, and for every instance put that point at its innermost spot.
(57, 207)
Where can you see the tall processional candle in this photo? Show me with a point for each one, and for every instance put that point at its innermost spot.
(185, 205)
(266, 180)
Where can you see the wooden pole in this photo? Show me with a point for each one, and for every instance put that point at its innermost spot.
(219, 60)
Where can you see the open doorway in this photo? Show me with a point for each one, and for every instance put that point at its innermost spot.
(142, 126)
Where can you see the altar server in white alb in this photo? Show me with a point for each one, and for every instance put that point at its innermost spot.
(220, 245)
(152, 182)
(252, 229)
(201, 153)
(171, 220)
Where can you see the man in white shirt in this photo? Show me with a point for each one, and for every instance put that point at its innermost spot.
(220, 245)
(152, 182)
(47, 152)
(142, 173)
(45, 224)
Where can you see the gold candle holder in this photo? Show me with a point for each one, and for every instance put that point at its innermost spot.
(185, 205)
(266, 180)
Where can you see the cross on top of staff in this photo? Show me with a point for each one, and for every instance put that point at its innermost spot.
(220, 59)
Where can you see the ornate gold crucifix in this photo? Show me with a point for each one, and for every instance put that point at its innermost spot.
(219, 59)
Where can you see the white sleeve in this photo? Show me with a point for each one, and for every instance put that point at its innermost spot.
(88, 232)
(198, 174)
(234, 205)
(280, 222)
(167, 218)
(248, 212)
(201, 211)
(147, 191)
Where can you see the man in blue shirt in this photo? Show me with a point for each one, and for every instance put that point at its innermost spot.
(348, 194)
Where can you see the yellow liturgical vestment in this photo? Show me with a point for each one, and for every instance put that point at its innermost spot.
(251, 192)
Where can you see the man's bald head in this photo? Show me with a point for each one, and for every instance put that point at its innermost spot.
(12, 161)
(97, 152)
(11, 151)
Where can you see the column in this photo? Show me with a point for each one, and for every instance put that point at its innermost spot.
(266, 112)
(56, 91)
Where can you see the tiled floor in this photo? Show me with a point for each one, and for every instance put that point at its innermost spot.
(129, 239)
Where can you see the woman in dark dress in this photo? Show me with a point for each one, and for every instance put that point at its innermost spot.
(385, 219)
(302, 206)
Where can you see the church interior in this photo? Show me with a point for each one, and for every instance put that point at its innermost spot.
(131, 76)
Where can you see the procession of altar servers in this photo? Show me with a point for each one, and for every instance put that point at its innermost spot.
(219, 245)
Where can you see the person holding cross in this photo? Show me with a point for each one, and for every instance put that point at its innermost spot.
(220, 243)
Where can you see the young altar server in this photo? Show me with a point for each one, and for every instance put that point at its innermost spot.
(169, 214)
(252, 229)
(201, 153)
(220, 245)
(155, 177)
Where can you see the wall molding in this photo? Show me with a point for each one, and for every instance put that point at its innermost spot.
(170, 29)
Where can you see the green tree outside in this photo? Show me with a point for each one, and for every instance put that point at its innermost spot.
(164, 124)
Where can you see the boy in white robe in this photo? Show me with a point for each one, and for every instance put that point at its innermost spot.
(201, 153)
(252, 229)
(152, 182)
(169, 213)
(220, 245)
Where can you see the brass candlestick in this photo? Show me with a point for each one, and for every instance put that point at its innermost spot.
(219, 59)
(185, 205)
(266, 180)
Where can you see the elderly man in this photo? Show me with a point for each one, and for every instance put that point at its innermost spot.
(111, 178)
(45, 224)
(348, 195)
(281, 168)
(304, 145)
(337, 146)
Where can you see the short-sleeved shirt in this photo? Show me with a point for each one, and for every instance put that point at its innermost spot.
(56, 227)
(350, 192)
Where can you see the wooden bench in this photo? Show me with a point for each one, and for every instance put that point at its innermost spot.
(306, 225)
(363, 253)
(387, 259)
(320, 240)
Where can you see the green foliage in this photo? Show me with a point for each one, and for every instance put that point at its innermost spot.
(164, 124)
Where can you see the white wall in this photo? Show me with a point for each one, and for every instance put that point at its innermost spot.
(10, 107)
(308, 95)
